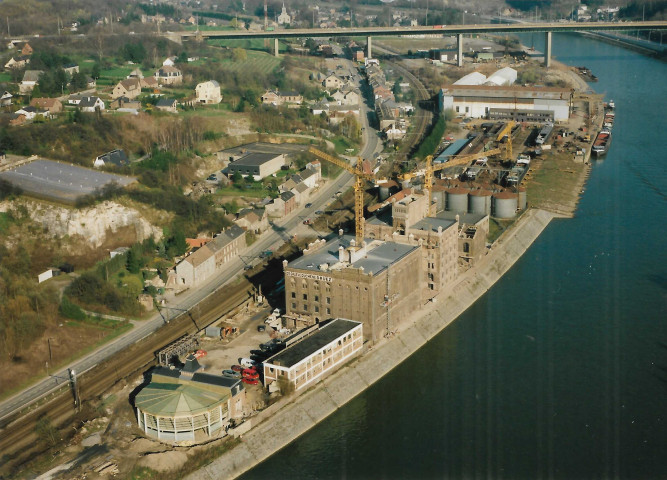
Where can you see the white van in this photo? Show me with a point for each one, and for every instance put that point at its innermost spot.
(248, 363)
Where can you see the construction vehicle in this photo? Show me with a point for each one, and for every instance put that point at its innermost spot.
(359, 178)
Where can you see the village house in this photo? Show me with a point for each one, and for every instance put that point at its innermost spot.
(17, 62)
(169, 75)
(169, 61)
(90, 82)
(51, 105)
(71, 68)
(253, 220)
(126, 104)
(207, 260)
(333, 82)
(129, 88)
(91, 104)
(16, 119)
(167, 105)
(30, 79)
(6, 99)
(282, 205)
(275, 97)
(208, 92)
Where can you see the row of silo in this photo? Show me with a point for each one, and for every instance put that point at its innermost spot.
(499, 204)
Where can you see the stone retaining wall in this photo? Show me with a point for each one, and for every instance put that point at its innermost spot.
(295, 415)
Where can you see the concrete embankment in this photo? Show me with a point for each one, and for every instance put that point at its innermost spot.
(285, 421)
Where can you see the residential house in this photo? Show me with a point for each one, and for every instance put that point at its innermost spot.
(30, 79)
(31, 112)
(169, 75)
(136, 73)
(282, 205)
(310, 177)
(129, 88)
(26, 49)
(301, 193)
(289, 183)
(90, 82)
(169, 61)
(17, 62)
(17, 119)
(167, 105)
(274, 97)
(91, 104)
(208, 92)
(71, 68)
(116, 158)
(150, 82)
(207, 260)
(351, 98)
(6, 99)
(51, 105)
(333, 82)
(74, 99)
(125, 103)
(253, 220)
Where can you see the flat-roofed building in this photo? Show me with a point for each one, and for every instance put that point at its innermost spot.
(477, 101)
(317, 355)
(473, 230)
(377, 284)
(259, 165)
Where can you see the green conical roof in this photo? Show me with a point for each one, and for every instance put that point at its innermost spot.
(176, 400)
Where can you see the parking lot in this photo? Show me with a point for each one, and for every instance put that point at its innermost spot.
(60, 181)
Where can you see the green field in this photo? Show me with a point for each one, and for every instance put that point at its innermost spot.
(259, 62)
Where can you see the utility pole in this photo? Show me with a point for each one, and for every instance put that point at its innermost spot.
(8, 34)
(75, 388)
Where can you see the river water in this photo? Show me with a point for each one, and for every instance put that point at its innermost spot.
(560, 370)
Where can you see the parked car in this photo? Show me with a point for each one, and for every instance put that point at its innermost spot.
(261, 328)
(231, 374)
(319, 212)
(237, 368)
(308, 205)
(307, 221)
(247, 362)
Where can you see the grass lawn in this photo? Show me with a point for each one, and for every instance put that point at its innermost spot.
(342, 145)
(4, 222)
(5, 77)
(255, 192)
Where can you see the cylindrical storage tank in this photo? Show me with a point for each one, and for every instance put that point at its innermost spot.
(457, 199)
(504, 204)
(523, 199)
(479, 201)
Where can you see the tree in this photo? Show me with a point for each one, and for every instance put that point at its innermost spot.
(95, 72)
(239, 54)
(46, 431)
(133, 262)
(79, 81)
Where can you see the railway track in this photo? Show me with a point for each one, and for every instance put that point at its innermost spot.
(19, 439)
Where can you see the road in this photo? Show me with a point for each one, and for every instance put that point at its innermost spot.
(281, 231)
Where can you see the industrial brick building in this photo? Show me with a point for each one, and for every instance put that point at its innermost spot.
(317, 355)
(377, 284)
(480, 101)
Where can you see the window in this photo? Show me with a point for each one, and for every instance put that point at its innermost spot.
(293, 294)
(317, 309)
(317, 298)
(293, 305)
(328, 311)
(328, 300)
(305, 296)
(305, 307)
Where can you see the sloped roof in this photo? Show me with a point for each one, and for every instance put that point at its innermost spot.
(176, 400)
(165, 102)
(32, 75)
(88, 101)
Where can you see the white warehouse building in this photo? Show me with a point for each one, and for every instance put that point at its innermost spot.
(478, 101)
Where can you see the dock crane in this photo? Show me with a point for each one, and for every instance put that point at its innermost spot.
(430, 169)
(359, 177)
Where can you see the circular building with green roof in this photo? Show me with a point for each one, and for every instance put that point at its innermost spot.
(177, 406)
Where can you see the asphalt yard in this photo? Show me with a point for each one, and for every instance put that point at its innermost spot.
(60, 181)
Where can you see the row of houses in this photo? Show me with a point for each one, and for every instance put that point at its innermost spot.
(392, 115)
(295, 191)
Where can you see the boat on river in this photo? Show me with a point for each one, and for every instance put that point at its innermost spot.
(602, 142)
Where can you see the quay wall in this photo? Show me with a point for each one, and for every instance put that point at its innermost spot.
(291, 417)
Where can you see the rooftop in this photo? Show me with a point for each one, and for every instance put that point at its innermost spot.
(377, 257)
(306, 347)
(432, 223)
(254, 159)
(513, 91)
(465, 218)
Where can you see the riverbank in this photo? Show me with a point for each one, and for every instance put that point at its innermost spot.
(288, 419)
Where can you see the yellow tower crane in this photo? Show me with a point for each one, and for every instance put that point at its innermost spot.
(506, 131)
(359, 177)
(453, 162)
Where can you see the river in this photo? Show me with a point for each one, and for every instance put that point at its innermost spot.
(560, 370)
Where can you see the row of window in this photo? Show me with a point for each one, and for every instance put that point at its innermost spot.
(316, 308)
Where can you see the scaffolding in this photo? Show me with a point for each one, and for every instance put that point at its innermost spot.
(183, 345)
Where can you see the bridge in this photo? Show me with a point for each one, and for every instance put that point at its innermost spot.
(450, 30)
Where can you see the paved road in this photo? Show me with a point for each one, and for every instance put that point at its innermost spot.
(280, 232)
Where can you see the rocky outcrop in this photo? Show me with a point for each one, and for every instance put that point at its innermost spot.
(93, 224)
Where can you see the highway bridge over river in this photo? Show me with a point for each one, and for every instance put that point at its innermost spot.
(450, 30)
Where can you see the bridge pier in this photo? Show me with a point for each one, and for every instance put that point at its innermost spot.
(369, 54)
(459, 49)
(276, 52)
(547, 49)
